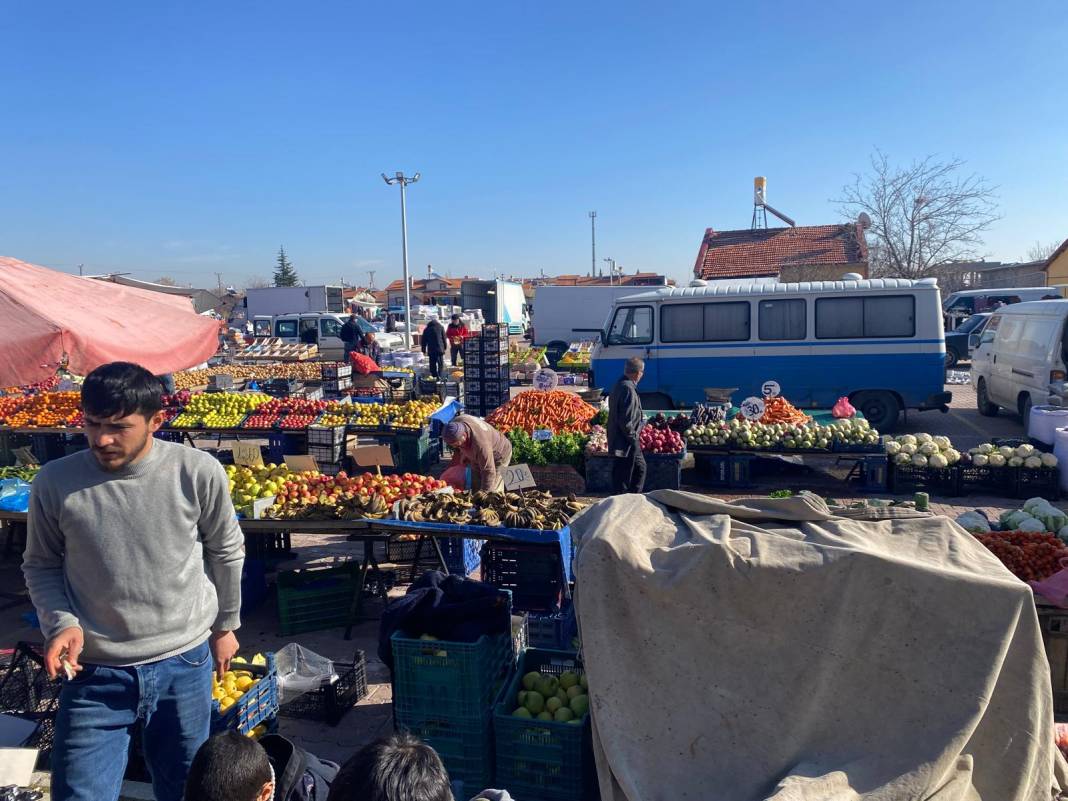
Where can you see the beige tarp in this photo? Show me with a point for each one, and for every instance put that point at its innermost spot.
(767, 650)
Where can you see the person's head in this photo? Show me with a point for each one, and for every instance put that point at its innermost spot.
(456, 435)
(121, 403)
(456, 318)
(230, 767)
(634, 368)
(369, 337)
(352, 318)
(394, 768)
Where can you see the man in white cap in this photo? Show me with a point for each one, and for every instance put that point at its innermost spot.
(478, 445)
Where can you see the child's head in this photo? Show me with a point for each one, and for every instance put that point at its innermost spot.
(395, 768)
(230, 767)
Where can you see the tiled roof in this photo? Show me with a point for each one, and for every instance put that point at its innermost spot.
(765, 251)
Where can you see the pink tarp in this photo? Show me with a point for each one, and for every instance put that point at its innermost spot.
(45, 314)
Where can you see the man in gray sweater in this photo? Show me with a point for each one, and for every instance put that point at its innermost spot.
(133, 561)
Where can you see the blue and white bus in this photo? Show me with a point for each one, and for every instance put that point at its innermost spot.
(879, 342)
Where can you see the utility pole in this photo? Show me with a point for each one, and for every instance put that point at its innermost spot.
(593, 244)
(399, 178)
(611, 269)
(218, 278)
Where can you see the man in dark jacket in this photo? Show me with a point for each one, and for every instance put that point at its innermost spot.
(350, 334)
(433, 344)
(625, 420)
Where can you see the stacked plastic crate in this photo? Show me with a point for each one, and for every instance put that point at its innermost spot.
(487, 374)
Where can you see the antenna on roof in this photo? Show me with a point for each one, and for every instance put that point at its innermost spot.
(761, 207)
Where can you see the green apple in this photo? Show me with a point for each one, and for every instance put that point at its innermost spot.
(522, 712)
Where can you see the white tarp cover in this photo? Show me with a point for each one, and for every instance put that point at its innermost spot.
(767, 650)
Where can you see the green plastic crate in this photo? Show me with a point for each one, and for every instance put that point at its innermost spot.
(413, 452)
(316, 598)
(541, 760)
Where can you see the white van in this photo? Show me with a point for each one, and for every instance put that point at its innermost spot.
(1021, 358)
(961, 305)
(324, 329)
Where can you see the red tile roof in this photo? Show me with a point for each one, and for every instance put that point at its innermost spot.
(765, 251)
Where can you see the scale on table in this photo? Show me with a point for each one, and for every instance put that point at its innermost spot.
(718, 400)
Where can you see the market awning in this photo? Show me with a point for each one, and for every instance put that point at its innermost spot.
(45, 314)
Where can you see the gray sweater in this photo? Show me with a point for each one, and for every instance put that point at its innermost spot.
(146, 560)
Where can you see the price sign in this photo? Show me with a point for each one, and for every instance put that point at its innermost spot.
(770, 389)
(247, 454)
(25, 458)
(752, 408)
(546, 379)
(542, 435)
(517, 477)
(372, 456)
(301, 462)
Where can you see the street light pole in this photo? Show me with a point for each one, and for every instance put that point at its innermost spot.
(399, 178)
(593, 244)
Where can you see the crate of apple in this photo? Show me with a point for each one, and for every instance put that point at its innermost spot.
(297, 406)
(178, 399)
(259, 420)
(294, 421)
(660, 440)
(310, 494)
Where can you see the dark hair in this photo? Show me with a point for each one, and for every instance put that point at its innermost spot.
(121, 389)
(394, 768)
(456, 317)
(228, 767)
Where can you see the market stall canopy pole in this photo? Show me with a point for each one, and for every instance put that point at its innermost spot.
(45, 314)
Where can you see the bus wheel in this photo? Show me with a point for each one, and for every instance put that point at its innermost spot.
(880, 409)
(656, 401)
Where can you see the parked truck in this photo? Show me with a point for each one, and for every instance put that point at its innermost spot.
(559, 310)
(500, 302)
(272, 300)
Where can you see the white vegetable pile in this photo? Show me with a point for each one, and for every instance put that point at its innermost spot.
(1021, 456)
(1037, 515)
(921, 450)
(766, 436)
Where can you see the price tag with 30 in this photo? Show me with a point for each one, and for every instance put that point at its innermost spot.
(752, 408)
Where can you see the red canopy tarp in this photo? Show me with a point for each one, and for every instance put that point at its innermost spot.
(45, 314)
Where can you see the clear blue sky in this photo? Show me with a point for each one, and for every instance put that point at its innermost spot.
(185, 139)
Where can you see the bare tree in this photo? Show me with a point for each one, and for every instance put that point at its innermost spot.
(166, 280)
(257, 282)
(922, 216)
(1040, 251)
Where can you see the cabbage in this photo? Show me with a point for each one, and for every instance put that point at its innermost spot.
(1006, 451)
(986, 448)
(1032, 525)
(1013, 519)
(1034, 503)
(919, 460)
(892, 448)
(928, 449)
(1023, 451)
(1048, 460)
(938, 461)
(902, 458)
(974, 522)
(952, 456)
(943, 443)
(1015, 461)
(996, 460)
(979, 460)
(1032, 462)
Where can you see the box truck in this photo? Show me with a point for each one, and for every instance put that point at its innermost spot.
(273, 300)
(500, 302)
(559, 310)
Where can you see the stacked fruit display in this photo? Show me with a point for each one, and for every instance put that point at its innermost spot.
(297, 421)
(313, 496)
(921, 450)
(331, 419)
(248, 484)
(545, 697)
(218, 409)
(300, 371)
(411, 415)
(298, 406)
(1021, 456)
(1029, 555)
(45, 410)
(46, 385)
(259, 420)
(178, 399)
(809, 436)
(235, 682)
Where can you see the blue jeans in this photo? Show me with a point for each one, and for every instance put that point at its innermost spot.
(99, 707)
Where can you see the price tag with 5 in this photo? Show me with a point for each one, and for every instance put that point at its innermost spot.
(770, 389)
(752, 408)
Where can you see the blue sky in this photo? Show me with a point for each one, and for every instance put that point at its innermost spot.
(194, 138)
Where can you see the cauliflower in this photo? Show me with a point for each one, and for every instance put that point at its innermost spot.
(902, 458)
(943, 443)
(996, 460)
(928, 449)
(1032, 462)
(909, 448)
(921, 438)
(1006, 451)
(892, 448)
(1023, 451)
(907, 439)
(952, 456)
(938, 461)
(986, 449)
(980, 460)
(919, 460)
(1015, 461)
(1048, 460)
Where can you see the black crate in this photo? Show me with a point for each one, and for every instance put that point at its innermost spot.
(491, 389)
(333, 699)
(987, 479)
(1038, 481)
(472, 349)
(944, 481)
(337, 384)
(495, 372)
(473, 401)
(28, 693)
(492, 348)
(472, 371)
(497, 331)
(534, 574)
(1054, 625)
(327, 454)
(473, 387)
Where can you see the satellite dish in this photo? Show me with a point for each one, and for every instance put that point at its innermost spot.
(864, 220)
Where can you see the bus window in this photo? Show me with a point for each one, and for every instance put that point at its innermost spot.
(859, 318)
(632, 325)
(285, 328)
(704, 322)
(782, 319)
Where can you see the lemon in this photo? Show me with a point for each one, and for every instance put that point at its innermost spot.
(244, 683)
(225, 703)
